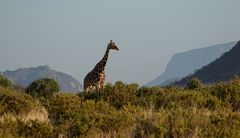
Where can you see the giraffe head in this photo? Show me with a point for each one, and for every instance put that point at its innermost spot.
(112, 45)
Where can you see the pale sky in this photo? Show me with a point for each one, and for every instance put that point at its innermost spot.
(71, 35)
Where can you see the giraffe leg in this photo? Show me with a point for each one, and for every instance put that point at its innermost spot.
(101, 86)
(98, 88)
(87, 90)
(102, 79)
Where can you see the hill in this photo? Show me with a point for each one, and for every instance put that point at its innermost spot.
(184, 63)
(222, 69)
(25, 76)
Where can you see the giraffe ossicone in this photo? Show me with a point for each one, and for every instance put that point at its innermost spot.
(95, 79)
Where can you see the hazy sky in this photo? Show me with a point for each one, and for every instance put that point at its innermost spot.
(71, 35)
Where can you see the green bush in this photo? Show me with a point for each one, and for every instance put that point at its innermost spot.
(229, 93)
(147, 97)
(120, 94)
(194, 84)
(64, 112)
(43, 88)
(5, 82)
(74, 117)
(63, 106)
(117, 95)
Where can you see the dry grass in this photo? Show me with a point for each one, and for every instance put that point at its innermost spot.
(40, 115)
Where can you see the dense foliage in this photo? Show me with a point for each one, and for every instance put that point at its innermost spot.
(126, 110)
(15, 103)
(5, 82)
(194, 83)
(43, 88)
(22, 116)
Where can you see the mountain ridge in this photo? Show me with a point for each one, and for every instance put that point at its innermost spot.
(184, 63)
(221, 69)
(25, 76)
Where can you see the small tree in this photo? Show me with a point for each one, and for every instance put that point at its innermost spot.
(5, 82)
(43, 88)
(194, 83)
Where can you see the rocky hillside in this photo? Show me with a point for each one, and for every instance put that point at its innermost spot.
(24, 76)
(185, 63)
(222, 69)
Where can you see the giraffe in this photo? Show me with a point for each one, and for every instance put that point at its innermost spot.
(96, 77)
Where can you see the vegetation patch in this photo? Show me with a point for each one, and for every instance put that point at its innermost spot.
(125, 110)
(5, 82)
(43, 88)
(16, 103)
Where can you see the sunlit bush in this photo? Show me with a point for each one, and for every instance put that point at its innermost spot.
(14, 102)
(20, 128)
(229, 93)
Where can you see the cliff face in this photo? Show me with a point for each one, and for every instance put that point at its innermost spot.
(222, 69)
(185, 63)
(25, 76)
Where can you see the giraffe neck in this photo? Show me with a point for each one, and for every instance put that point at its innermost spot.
(105, 57)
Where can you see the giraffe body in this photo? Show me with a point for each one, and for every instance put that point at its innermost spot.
(95, 79)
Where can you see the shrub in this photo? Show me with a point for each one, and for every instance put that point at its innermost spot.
(222, 124)
(120, 94)
(194, 84)
(116, 95)
(20, 128)
(15, 103)
(147, 96)
(229, 93)
(63, 106)
(74, 117)
(22, 116)
(107, 120)
(43, 88)
(65, 113)
(5, 82)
